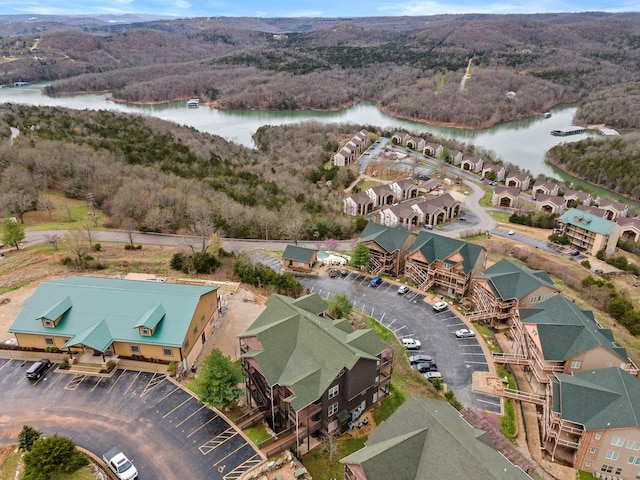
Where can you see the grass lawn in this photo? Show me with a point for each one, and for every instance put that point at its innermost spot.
(321, 464)
(10, 465)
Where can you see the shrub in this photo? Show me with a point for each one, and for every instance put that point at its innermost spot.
(96, 247)
(111, 365)
(586, 264)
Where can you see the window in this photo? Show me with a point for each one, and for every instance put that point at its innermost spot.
(145, 331)
(618, 470)
(185, 345)
(631, 459)
(606, 468)
(49, 341)
(202, 319)
(135, 349)
(629, 444)
(167, 352)
(333, 409)
(575, 364)
(636, 446)
(195, 329)
(592, 450)
(612, 455)
(49, 323)
(637, 462)
(587, 464)
(617, 441)
(333, 391)
(598, 436)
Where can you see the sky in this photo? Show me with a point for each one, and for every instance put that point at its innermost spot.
(308, 8)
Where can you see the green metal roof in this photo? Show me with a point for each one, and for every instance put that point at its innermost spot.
(598, 399)
(96, 336)
(120, 304)
(426, 439)
(58, 309)
(565, 330)
(391, 239)
(299, 254)
(585, 220)
(508, 280)
(305, 351)
(436, 247)
(151, 318)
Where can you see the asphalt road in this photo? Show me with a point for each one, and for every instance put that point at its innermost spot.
(167, 432)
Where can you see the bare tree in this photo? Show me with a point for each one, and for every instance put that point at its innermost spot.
(77, 242)
(53, 239)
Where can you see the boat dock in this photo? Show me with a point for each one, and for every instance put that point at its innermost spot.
(563, 132)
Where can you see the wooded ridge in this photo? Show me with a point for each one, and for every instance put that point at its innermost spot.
(521, 65)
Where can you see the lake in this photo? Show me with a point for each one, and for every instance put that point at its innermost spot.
(522, 142)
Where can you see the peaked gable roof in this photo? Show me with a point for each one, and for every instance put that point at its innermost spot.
(299, 254)
(509, 280)
(391, 239)
(305, 351)
(121, 304)
(565, 330)
(436, 247)
(598, 399)
(426, 439)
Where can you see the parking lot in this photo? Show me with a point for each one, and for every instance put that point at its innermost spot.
(167, 432)
(409, 316)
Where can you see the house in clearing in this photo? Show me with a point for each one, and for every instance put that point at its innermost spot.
(557, 336)
(549, 203)
(455, 157)
(629, 228)
(472, 164)
(432, 149)
(588, 232)
(298, 258)
(401, 214)
(504, 288)
(308, 374)
(545, 188)
(499, 171)
(387, 247)
(343, 157)
(161, 321)
(613, 209)
(405, 189)
(576, 197)
(505, 196)
(443, 263)
(436, 210)
(426, 439)
(519, 180)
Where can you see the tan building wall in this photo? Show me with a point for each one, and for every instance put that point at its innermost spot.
(622, 443)
(540, 294)
(595, 358)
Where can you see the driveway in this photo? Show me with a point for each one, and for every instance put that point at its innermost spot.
(409, 316)
(167, 432)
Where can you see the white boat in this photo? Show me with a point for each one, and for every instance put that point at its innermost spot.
(193, 103)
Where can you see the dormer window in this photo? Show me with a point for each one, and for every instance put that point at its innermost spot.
(146, 332)
(49, 323)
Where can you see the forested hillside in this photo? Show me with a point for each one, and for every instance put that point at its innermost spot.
(412, 67)
(153, 175)
(609, 162)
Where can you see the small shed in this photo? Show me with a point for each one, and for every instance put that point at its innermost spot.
(298, 258)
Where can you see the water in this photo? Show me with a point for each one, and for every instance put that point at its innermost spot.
(522, 142)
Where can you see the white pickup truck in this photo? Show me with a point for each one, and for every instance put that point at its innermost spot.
(119, 464)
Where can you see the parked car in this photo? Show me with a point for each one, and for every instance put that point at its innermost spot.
(333, 273)
(440, 306)
(432, 375)
(465, 333)
(420, 359)
(38, 369)
(598, 271)
(411, 344)
(344, 272)
(463, 219)
(403, 289)
(375, 282)
(425, 367)
(511, 232)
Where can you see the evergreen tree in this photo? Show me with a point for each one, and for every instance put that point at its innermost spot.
(12, 233)
(218, 381)
(360, 256)
(27, 437)
(52, 456)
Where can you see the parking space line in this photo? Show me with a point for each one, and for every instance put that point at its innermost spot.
(5, 364)
(176, 389)
(131, 384)
(58, 377)
(243, 467)
(497, 404)
(398, 329)
(116, 381)
(75, 381)
(203, 425)
(187, 418)
(153, 382)
(14, 372)
(97, 383)
(392, 322)
(475, 363)
(229, 454)
(210, 445)
(176, 407)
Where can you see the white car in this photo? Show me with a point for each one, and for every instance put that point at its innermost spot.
(432, 375)
(511, 232)
(465, 333)
(403, 289)
(411, 344)
(440, 306)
